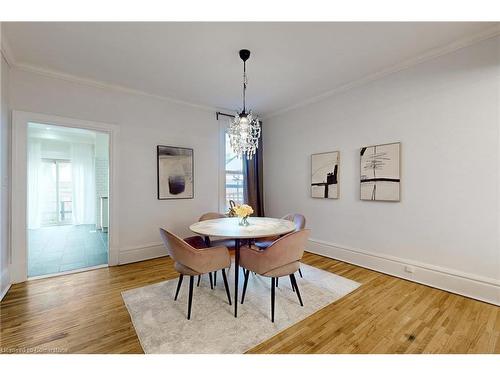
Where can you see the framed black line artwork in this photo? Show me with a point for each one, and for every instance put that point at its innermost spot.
(380, 174)
(175, 172)
(325, 175)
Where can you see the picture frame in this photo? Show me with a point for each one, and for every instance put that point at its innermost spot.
(325, 171)
(174, 172)
(380, 172)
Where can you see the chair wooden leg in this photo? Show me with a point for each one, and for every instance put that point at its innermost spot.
(179, 283)
(226, 286)
(273, 286)
(247, 273)
(294, 282)
(293, 286)
(277, 281)
(190, 299)
(215, 278)
(300, 273)
(199, 279)
(211, 280)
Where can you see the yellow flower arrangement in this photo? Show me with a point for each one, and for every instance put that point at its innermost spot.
(243, 210)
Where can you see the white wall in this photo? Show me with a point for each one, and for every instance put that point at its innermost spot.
(446, 114)
(4, 177)
(143, 122)
(101, 175)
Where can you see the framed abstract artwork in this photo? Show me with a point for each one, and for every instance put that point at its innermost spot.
(175, 172)
(325, 175)
(380, 172)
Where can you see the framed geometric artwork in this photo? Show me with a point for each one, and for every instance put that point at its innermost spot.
(175, 172)
(325, 175)
(380, 172)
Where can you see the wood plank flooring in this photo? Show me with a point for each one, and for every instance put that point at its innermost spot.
(84, 313)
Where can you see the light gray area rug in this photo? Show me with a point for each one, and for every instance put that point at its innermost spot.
(162, 327)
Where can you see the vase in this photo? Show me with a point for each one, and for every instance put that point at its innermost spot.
(244, 221)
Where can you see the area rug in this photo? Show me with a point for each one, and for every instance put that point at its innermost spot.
(162, 327)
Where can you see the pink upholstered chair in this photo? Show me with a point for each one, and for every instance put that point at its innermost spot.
(300, 223)
(229, 243)
(194, 262)
(199, 242)
(282, 258)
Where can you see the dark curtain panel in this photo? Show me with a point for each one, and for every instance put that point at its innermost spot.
(253, 188)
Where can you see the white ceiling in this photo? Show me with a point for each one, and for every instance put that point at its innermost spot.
(59, 133)
(199, 63)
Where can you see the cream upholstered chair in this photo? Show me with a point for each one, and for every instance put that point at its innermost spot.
(280, 259)
(194, 262)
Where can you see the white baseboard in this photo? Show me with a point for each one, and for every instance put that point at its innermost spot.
(78, 270)
(4, 291)
(145, 252)
(473, 286)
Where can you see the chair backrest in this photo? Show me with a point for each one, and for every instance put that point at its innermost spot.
(298, 219)
(211, 215)
(178, 249)
(287, 249)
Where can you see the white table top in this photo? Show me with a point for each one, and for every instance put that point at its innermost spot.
(228, 227)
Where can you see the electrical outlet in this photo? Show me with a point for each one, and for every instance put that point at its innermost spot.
(409, 269)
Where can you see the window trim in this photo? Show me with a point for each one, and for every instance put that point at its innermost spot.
(223, 125)
(222, 164)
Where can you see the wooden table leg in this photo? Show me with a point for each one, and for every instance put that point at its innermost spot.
(237, 273)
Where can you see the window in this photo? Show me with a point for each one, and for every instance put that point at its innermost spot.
(233, 175)
(56, 202)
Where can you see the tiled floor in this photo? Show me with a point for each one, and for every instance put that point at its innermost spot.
(64, 248)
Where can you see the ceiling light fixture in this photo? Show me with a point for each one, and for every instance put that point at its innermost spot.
(244, 131)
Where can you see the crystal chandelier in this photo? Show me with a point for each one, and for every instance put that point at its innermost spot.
(244, 131)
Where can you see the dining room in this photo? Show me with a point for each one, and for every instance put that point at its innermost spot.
(266, 188)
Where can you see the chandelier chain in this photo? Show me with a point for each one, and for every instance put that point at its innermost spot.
(244, 84)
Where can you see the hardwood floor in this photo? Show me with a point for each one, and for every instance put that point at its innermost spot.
(84, 313)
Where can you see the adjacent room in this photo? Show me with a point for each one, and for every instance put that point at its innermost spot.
(67, 199)
(250, 187)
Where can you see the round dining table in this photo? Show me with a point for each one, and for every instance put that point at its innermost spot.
(258, 227)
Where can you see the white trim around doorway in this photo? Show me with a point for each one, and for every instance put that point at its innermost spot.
(19, 194)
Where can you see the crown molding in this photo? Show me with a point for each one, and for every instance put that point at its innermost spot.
(105, 85)
(429, 55)
(7, 51)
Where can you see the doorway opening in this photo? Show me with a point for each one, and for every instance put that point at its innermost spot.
(68, 187)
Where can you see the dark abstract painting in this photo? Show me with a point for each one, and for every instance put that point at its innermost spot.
(380, 173)
(175, 172)
(325, 175)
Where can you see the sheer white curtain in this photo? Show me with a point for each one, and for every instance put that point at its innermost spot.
(84, 189)
(35, 183)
